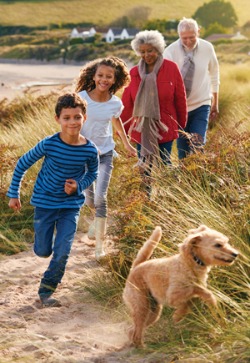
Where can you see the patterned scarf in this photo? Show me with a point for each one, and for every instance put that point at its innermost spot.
(188, 68)
(146, 112)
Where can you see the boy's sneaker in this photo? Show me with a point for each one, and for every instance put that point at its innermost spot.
(49, 302)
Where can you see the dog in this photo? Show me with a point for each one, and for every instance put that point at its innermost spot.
(174, 280)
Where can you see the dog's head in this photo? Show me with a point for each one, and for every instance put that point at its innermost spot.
(208, 247)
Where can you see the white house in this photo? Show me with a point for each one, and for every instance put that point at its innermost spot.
(82, 33)
(120, 34)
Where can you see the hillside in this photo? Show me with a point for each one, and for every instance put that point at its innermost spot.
(95, 11)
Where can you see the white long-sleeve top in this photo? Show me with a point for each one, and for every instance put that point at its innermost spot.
(206, 77)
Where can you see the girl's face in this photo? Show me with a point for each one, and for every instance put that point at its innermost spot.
(148, 53)
(104, 78)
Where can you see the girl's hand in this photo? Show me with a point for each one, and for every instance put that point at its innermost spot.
(15, 204)
(70, 186)
(131, 150)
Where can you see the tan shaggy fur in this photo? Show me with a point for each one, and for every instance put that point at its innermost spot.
(174, 280)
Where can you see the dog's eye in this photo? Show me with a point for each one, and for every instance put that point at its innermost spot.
(218, 245)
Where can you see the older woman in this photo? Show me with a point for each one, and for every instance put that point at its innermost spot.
(155, 100)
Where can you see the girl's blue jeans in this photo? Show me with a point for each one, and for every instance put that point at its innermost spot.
(96, 194)
(197, 124)
(54, 234)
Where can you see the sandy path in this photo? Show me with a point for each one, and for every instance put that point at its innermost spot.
(81, 330)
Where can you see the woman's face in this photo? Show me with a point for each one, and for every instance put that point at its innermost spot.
(148, 53)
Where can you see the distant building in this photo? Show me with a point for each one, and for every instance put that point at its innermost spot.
(110, 35)
(82, 33)
(120, 34)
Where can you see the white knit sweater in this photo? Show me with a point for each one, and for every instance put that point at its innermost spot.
(206, 77)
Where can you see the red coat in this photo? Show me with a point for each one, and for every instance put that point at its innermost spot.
(172, 100)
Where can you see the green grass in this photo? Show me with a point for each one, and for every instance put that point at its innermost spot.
(95, 11)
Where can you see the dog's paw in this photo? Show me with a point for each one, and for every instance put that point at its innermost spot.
(130, 332)
(177, 318)
(213, 301)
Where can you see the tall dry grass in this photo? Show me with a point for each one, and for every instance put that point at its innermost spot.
(211, 188)
(24, 122)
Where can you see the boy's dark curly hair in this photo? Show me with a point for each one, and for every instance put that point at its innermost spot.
(85, 80)
(70, 100)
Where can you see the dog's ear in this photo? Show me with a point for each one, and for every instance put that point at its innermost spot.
(194, 240)
(201, 228)
(190, 242)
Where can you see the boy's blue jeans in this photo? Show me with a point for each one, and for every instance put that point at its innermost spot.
(197, 124)
(64, 223)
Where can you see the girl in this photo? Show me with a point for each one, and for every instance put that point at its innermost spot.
(97, 83)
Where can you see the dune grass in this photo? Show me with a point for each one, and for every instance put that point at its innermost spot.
(95, 11)
(211, 188)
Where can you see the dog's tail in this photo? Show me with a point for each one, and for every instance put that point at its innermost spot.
(148, 248)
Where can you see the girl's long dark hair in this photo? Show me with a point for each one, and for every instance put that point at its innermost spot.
(85, 80)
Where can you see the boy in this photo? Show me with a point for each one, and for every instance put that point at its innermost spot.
(70, 166)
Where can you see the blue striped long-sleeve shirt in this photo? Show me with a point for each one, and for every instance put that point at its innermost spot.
(61, 161)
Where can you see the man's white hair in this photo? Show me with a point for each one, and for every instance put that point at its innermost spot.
(188, 24)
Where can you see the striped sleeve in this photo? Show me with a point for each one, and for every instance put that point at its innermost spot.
(23, 164)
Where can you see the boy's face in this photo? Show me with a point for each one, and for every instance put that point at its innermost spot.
(71, 120)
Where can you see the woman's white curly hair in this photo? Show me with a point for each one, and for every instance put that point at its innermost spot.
(152, 37)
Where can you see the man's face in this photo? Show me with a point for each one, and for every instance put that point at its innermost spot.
(189, 39)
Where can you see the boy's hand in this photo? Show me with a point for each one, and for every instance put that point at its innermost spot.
(70, 186)
(15, 204)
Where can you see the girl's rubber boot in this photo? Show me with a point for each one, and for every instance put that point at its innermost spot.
(91, 230)
(100, 231)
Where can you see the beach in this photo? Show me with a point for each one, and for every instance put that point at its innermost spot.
(18, 78)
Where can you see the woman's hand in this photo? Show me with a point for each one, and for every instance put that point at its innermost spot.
(214, 113)
(15, 204)
(70, 186)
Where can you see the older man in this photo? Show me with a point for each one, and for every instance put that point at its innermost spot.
(199, 67)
